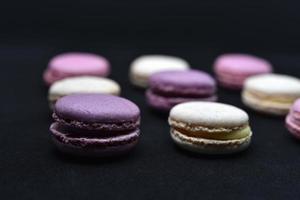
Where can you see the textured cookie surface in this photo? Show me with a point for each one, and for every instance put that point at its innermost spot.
(209, 114)
(96, 108)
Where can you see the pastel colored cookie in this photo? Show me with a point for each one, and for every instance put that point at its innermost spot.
(82, 84)
(271, 93)
(95, 125)
(75, 64)
(292, 120)
(210, 128)
(170, 88)
(143, 67)
(233, 69)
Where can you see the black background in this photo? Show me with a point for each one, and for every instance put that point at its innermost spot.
(32, 32)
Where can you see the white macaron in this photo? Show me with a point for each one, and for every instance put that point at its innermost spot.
(82, 84)
(143, 67)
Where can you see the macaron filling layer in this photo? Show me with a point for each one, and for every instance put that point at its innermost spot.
(125, 125)
(235, 134)
(283, 99)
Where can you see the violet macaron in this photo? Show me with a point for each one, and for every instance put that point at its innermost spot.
(96, 125)
(233, 69)
(170, 88)
(75, 64)
(292, 120)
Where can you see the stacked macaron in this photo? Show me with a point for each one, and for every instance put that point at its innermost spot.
(210, 128)
(271, 93)
(233, 69)
(169, 88)
(95, 125)
(75, 64)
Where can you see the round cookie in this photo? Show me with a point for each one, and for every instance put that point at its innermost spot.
(169, 88)
(210, 128)
(271, 93)
(75, 64)
(233, 69)
(292, 120)
(95, 125)
(82, 84)
(143, 67)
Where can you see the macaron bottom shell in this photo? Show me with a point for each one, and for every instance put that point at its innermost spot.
(93, 146)
(209, 146)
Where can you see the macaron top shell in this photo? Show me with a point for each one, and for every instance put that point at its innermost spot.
(79, 63)
(96, 108)
(84, 84)
(182, 81)
(149, 64)
(274, 84)
(209, 114)
(242, 64)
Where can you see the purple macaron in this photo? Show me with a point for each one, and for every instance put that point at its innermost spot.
(292, 120)
(170, 88)
(95, 125)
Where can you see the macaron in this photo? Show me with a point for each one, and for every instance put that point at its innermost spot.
(233, 69)
(210, 128)
(82, 84)
(169, 88)
(271, 93)
(75, 64)
(143, 67)
(292, 120)
(96, 125)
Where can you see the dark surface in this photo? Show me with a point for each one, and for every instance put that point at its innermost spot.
(30, 166)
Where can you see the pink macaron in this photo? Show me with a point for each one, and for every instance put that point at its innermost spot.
(233, 69)
(292, 120)
(75, 64)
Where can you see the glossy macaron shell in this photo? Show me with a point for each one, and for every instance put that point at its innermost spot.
(75, 64)
(107, 111)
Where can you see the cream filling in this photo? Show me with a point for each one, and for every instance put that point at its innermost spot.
(234, 135)
(195, 127)
(269, 98)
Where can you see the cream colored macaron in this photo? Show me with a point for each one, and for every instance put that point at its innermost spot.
(210, 128)
(143, 67)
(271, 93)
(82, 84)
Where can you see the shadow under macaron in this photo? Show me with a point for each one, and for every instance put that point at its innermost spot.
(92, 160)
(236, 155)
